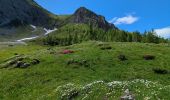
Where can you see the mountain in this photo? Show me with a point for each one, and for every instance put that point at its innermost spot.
(85, 16)
(22, 12)
(16, 17)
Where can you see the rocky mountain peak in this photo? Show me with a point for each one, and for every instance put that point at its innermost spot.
(86, 16)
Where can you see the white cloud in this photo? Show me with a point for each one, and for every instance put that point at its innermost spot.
(163, 32)
(129, 19)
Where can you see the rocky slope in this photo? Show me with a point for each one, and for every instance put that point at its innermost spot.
(21, 12)
(83, 15)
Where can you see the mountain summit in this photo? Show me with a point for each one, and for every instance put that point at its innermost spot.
(16, 12)
(84, 15)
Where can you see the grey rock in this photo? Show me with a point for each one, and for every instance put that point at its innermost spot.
(25, 65)
(21, 12)
(19, 64)
(35, 61)
(127, 95)
(83, 15)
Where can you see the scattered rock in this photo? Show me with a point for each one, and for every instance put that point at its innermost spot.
(127, 95)
(149, 57)
(19, 61)
(35, 61)
(25, 65)
(19, 64)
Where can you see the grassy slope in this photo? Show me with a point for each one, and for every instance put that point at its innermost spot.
(41, 81)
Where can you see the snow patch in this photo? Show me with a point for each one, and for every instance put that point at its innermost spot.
(24, 39)
(47, 31)
(34, 27)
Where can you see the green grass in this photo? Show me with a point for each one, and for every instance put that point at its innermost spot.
(46, 80)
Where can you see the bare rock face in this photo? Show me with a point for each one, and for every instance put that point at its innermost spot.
(83, 15)
(20, 12)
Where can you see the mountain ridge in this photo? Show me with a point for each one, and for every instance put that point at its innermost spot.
(21, 12)
(86, 16)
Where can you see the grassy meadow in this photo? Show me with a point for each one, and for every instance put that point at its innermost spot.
(93, 71)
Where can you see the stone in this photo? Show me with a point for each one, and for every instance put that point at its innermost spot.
(35, 61)
(127, 95)
(25, 65)
(19, 64)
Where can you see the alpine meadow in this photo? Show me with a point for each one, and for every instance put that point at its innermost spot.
(81, 55)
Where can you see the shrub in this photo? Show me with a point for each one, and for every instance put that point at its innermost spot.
(122, 57)
(67, 51)
(78, 62)
(160, 71)
(104, 46)
(149, 57)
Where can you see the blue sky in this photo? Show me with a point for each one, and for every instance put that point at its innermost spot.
(130, 15)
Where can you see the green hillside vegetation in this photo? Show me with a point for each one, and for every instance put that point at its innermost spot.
(76, 33)
(93, 71)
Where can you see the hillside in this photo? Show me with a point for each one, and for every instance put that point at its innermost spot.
(17, 16)
(90, 70)
(23, 12)
(73, 33)
(80, 56)
(20, 32)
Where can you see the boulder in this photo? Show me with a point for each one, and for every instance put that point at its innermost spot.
(19, 61)
(35, 61)
(19, 64)
(25, 65)
(127, 95)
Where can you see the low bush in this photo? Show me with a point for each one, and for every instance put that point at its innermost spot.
(67, 51)
(160, 71)
(78, 62)
(122, 57)
(104, 46)
(149, 57)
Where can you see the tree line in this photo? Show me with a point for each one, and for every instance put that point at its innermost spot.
(72, 34)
